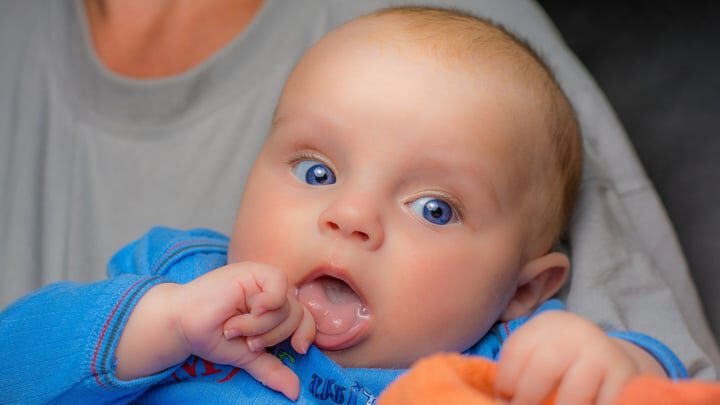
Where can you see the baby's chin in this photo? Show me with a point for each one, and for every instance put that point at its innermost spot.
(346, 360)
(363, 356)
(371, 353)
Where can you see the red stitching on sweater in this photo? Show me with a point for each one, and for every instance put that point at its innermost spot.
(104, 329)
(170, 251)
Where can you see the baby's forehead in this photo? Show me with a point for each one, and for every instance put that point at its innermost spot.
(475, 50)
(484, 52)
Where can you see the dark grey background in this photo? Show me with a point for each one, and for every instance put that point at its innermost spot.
(658, 62)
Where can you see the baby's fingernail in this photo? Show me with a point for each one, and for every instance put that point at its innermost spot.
(292, 394)
(230, 333)
(302, 348)
(254, 344)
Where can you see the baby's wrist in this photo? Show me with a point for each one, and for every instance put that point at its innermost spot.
(150, 341)
(174, 318)
(645, 362)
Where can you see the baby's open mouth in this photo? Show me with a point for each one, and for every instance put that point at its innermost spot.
(340, 314)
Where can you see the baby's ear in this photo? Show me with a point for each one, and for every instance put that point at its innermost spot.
(539, 279)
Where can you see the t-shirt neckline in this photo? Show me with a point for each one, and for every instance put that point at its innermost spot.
(155, 102)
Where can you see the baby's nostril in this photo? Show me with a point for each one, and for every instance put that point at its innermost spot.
(362, 235)
(359, 234)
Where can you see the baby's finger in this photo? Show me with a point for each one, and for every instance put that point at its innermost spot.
(271, 372)
(231, 351)
(541, 376)
(281, 331)
(252, 325)
(513, 359)
(305, 333)
(580, 384)
(613, 384)
(273, 286)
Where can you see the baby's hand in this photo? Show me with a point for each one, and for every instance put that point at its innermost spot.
(229, 316)
(564, 351)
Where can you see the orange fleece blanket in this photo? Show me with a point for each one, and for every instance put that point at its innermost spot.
(455, 379)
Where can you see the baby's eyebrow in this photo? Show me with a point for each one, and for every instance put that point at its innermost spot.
(488, 186)
(471, 177)
(306, 119)
(277, 120)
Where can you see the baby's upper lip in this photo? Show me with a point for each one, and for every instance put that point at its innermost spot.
(331, 270)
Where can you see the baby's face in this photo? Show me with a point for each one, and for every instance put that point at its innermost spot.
(387, 192)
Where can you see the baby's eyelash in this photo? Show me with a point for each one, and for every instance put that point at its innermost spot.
(456, 204)
(300, 156)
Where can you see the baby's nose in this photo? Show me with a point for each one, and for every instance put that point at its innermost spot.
(355, 219)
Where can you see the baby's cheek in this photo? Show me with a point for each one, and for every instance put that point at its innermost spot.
(431, 315)
(450, 300)
(257, 235)
(428, 330)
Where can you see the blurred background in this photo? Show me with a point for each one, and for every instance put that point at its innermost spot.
(658, 62)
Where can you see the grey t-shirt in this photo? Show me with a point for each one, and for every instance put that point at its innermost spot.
(90, 160)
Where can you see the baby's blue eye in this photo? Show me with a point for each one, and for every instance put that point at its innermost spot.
(433, 210)
(313, 172)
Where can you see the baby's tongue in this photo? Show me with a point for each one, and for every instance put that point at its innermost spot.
(338, 311)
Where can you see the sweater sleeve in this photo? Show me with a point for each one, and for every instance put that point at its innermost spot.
(180, 256)
(674, 368)
(58, 344)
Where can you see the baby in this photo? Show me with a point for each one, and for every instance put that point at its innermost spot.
(420, 168)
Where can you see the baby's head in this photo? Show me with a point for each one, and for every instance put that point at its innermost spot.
(420, 167)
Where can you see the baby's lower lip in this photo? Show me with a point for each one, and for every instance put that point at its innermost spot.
(339, 342)
(342, 318)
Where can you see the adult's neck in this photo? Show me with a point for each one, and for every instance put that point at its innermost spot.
(160, 38)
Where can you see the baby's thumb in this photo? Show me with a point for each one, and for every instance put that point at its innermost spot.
(271, 372)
